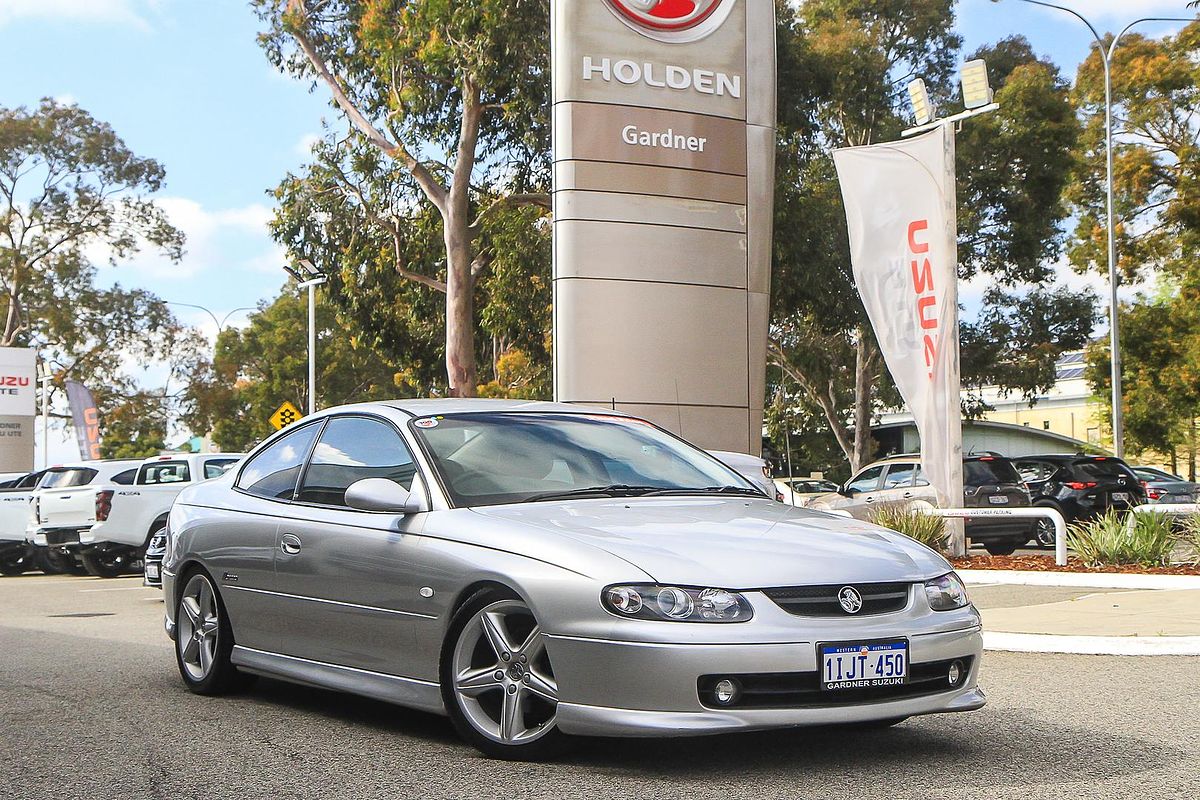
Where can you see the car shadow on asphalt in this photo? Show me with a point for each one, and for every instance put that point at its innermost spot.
(995, 746)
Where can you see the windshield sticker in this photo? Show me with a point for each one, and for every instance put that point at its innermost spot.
(428, 422)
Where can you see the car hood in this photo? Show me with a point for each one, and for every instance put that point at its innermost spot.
(732, 543)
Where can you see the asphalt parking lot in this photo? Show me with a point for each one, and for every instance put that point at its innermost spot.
(92, 707)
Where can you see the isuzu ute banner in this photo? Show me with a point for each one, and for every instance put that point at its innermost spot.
(18, 405)
(86, 419)
(900, 208)
(664, 145)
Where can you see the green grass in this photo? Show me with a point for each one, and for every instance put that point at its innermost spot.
(928, 530)
(1142, 539)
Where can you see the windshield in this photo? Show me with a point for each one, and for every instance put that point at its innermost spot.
(987, 471)
(66, 478)
(494, 458)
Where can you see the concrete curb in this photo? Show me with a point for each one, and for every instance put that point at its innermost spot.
(1095, 580)
(1092, 645)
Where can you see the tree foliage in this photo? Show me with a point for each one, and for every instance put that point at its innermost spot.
(69, 189)
(844, 65)
(454, 96)
(258, 368)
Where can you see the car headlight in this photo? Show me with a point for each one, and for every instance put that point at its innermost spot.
(946, 593)
(675, 603)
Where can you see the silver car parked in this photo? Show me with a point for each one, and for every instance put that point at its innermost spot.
(540, 571)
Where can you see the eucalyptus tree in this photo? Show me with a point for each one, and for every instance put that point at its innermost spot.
(453, 93)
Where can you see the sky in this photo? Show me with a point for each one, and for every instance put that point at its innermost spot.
(185, 82)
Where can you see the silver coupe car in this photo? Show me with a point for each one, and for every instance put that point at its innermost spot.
(540, 572)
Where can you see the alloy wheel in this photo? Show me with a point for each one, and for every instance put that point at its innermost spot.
(1045, 532)
(502, 677)
(199, 626)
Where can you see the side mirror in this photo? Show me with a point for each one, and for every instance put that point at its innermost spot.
(846, 491)
(382, 495)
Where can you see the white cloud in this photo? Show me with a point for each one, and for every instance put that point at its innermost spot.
(114, 12)
(218, 240)
(304, 147)
(66, 99)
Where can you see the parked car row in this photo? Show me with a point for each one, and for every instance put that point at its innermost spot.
(95, 517)
(1080, 487)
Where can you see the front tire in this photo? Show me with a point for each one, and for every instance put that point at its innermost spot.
(15, 563)
(204, 639)
(497, 682)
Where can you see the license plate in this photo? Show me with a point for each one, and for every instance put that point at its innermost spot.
(861, 666)
(1120, 497)
(998, 499)
(152, 571)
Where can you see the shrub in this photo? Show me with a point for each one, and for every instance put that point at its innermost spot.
(928, 530)
(1144, 539)
(1189, 537)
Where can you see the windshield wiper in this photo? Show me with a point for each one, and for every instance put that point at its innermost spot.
(743, 491)
(612, 490)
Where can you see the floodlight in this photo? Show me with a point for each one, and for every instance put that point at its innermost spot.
(921, 105)
(976, 90)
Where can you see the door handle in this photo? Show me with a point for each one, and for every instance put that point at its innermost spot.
(290, 544)
(907, 495)
(870, 499)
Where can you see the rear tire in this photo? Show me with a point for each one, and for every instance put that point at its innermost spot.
(49, 562)
(107, 561)
(1001, 548)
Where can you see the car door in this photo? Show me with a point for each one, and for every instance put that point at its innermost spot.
(237, 544)
(860, 492)
(898, 488)
(352, 579)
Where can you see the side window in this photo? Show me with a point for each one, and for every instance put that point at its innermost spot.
(866, 481)
(919, 479)
(218, 467)
(1031, 470)
(899, 476)
(273, 472)
(351, 449)
(125, 478)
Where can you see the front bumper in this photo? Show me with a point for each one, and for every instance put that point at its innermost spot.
(657, 685)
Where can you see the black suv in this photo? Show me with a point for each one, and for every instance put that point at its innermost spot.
(991, 481)
(1081, 487)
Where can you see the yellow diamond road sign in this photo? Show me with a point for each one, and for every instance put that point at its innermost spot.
(285, 415)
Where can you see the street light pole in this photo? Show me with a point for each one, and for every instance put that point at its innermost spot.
(310, 279)
(44, 380)
(1114, 329)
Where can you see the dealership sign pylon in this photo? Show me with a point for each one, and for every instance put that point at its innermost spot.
(900, 211)
(664, 143)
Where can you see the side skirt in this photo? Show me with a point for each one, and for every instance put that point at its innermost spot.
(409, 692)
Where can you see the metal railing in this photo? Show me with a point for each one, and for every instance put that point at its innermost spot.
(1060, 523)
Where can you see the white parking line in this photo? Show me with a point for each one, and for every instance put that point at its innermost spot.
(114, 589)
(1092, 645)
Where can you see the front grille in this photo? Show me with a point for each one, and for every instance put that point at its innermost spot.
(803, 689)
(822, 601)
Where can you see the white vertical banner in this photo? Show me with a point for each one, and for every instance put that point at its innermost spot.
(900, 208)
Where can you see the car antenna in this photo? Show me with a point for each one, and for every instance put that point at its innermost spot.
(678, 410)
(614, 404)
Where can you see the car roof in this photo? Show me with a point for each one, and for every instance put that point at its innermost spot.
(467, 405)
(1067, 457)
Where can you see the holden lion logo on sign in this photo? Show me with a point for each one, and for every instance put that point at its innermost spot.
(672, 20)
(850, 600)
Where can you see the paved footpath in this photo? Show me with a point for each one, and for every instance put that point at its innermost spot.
(1077, 619)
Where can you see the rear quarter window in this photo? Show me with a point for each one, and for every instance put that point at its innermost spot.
(989, 472)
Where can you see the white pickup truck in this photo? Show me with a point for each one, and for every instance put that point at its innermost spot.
(64, 508)
(16, 554)
(127, 517)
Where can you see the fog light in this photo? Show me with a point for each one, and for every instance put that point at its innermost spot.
(726, 692)
(956, 673)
